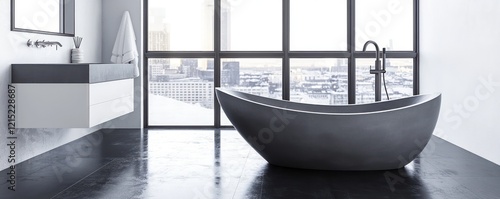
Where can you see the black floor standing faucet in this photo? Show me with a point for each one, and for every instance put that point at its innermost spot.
(378, 69)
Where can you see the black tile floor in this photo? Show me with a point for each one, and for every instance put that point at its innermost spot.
(200, 164)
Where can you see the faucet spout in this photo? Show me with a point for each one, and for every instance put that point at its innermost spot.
(47, 43)
(57, 43)
(376, 48)
(50, 43)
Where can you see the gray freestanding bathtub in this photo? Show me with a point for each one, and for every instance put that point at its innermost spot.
(377, 136)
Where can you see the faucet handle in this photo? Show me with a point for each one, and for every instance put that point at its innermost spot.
(39, 44)
(384, 57)
(29, 43)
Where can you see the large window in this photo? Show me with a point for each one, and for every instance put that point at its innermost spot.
(178, 88)
(318, 26)
(388, 22)
(299, 50)
(319, 81)
(175, 25)
(251, 25)
(398, 80)
(255, 76)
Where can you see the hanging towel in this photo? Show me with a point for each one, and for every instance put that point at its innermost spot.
(125, 49)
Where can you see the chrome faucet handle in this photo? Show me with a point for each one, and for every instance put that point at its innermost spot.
(29, 43)
(37, 43)
(43, 44)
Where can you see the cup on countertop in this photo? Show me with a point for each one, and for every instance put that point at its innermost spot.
(76, 55)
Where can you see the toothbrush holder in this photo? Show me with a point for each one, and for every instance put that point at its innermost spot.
(76, 55)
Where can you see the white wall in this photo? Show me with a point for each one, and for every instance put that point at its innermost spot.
(460, 50)
(113, 11)
(32, 142)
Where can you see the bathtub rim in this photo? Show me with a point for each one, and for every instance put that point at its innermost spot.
(431, 97)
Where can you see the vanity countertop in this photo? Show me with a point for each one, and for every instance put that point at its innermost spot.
(71, 73)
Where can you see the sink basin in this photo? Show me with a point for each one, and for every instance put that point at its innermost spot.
(71, 73)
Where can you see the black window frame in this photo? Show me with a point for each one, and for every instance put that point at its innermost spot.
(285, 54)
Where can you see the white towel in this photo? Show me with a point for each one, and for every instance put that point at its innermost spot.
(125, 49)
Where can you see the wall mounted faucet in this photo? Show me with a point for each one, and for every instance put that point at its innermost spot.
(43, 43)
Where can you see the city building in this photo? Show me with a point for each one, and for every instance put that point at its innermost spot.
(189, 91)
(230, 74)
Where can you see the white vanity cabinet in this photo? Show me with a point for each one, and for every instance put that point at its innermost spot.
(72, 105)
(52, 104)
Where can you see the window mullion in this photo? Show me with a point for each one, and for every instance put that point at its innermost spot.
(351, 48)
(286, 50)
(416, 43)
(217, 62)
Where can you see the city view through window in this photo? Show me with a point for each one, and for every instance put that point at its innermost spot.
(181, 90)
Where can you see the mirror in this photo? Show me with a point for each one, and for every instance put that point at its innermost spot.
(55, 17)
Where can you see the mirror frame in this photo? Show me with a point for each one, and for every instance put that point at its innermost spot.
(13, 23)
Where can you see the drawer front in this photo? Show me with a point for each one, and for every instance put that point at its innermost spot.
(51, 105)
(103, 112)
(109, 91)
